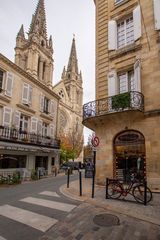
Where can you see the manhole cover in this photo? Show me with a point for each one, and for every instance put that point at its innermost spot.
(106, 220)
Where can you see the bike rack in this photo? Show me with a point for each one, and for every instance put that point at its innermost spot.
(108, 180)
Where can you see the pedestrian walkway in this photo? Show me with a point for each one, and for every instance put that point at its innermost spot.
(135, 221)
(150, 213)
(30, 218)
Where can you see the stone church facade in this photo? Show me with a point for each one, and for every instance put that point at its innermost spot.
(31, 108)
(126, 112)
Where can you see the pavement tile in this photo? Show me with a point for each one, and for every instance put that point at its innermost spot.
(137, 222)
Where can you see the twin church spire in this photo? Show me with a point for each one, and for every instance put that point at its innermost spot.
(35, 53)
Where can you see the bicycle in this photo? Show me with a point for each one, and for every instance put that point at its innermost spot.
(116, 189)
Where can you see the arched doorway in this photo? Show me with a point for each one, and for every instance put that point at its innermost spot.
(129, 154)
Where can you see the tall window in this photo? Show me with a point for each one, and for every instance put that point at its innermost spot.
(126, 81)
(1, 80)
(44, 129)
(125, 32)
(46, 105)
(24, 120)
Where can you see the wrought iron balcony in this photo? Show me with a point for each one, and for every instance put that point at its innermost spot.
(118, 103)
(18, 136)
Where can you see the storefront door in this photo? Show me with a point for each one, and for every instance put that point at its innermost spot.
(129, 152)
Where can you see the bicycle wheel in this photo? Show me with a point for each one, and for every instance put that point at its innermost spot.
(114, 190)
(138, 193)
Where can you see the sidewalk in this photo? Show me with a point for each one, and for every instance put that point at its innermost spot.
(149, 213)
(135, 221)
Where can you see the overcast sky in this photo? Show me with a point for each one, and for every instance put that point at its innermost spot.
(64, 18)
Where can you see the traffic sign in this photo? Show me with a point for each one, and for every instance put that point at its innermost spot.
(95, 141)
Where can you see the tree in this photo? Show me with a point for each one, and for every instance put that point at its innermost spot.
(71, 145)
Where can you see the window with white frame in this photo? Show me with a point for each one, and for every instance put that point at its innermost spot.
(24, 123)
(45, 129)
(125, 31)
(27, 94)
(125, 81)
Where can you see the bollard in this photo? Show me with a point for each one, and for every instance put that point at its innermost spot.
(80, 183)
(68, 172)
(94, 172)
(107, 182)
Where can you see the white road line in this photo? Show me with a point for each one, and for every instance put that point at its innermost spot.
(48, 193)
(1, 238)
(37, 221)
(50, 204)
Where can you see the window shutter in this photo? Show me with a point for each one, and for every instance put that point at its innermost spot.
(112, 35)
(30, 95)
(41, 101)
(9, 84)
(156, 14)
(51, 130)
(33, 125)
(25, 94)
(137, 22)
(112, 84)
(52, 108)
(40, 127)
(7, 116)
(137, 76)
(16, 119)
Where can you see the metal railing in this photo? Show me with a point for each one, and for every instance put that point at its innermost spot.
(18, 136)
(122, 102)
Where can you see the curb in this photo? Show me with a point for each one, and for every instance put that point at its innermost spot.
(110, 206)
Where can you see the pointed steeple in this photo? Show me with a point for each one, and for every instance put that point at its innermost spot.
(21, 32)
(72, 64)
(63, 73)
(38, 24)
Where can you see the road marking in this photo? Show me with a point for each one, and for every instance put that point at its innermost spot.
(48, 193)
(50, 204)
(37, 221)
(1, 238)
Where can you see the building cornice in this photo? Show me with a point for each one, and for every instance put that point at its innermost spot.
(27, 75)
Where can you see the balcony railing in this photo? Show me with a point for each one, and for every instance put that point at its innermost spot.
(18, 136)
(118, 103)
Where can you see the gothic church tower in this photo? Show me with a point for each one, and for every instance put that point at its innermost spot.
(34, 54)
(72, 79)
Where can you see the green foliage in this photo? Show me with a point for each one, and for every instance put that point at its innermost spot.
(121, 101)
(16, 178)
(34, 175)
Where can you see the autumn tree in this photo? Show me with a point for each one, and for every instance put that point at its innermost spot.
(71, 145)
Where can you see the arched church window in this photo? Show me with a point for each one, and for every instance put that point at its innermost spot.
(38, 67)
(42, 43)
(44, 67)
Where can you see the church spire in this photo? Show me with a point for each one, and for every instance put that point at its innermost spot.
(21, 32)
(38, 24)
(72, 64)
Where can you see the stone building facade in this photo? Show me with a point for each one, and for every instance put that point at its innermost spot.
(126, 112)
(30, 107)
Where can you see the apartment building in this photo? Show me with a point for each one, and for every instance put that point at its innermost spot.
(126, 113)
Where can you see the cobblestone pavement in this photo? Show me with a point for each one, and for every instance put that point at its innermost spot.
(136, 222)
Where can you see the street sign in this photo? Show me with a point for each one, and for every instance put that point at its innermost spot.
(95, 141)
